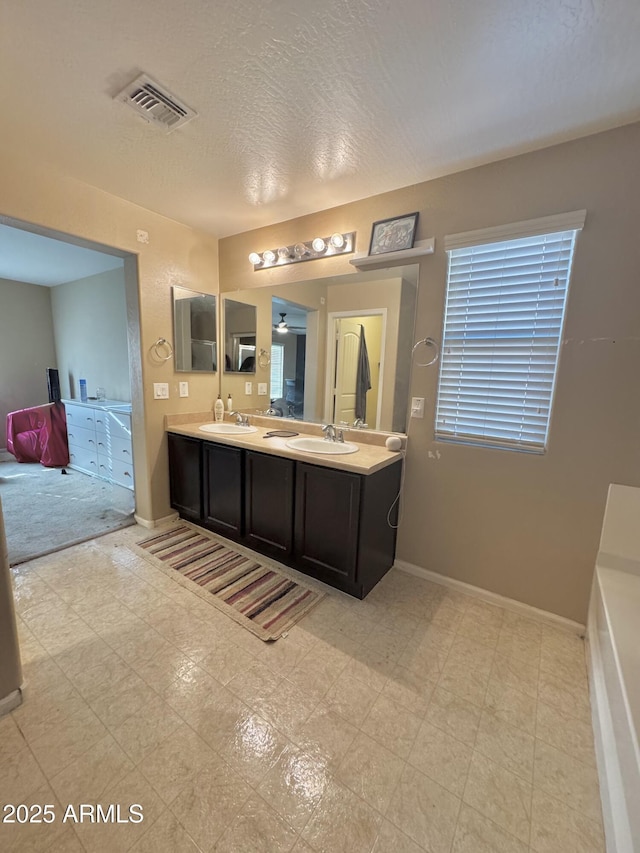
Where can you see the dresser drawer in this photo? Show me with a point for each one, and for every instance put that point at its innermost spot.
(113, 424)
(80, 416)
(114, 448)
(85, 460)
(122, 473)
(81, 438)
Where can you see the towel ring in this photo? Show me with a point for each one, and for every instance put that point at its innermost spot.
(264, 359)
(428, 342)
(162, 344)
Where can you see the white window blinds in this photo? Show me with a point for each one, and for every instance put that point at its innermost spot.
(502, 330)
(277, 371)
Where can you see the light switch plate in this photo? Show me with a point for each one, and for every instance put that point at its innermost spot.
(160, 390)
(248, 387)
(184, 389)
(417, 407)
(262, 387)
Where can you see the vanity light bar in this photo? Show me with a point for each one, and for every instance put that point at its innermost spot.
(319, 247)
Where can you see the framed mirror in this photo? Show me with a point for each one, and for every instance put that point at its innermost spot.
(239, 337)
(195, 331)
(334, 349)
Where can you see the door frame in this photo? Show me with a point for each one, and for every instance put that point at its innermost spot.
(329, 391)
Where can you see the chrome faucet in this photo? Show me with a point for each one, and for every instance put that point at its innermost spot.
(329, 432)
(241, 420)
(360, 424)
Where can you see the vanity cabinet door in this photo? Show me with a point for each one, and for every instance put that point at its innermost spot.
(269, 484)
(223, 489)
(327, 523)
(185, 475)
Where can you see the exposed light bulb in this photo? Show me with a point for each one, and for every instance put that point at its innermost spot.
(254, 258)
(300, 250)
(282, 329)
(269, 256)
(337, 241)
(283, 252)
(318, 245)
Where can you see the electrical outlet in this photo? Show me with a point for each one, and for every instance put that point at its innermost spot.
(160, 390)
(417, 407)
(262, 388)
(184, 389)
(248, 387)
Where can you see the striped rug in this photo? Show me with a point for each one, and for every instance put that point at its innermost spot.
(258, 596)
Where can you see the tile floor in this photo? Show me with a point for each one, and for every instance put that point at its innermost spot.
(416, 720)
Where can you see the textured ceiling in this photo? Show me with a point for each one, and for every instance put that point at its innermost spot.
(304, 105)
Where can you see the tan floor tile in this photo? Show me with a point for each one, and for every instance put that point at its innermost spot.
(426, 812)
(506, 745)
(522, 648)
(145, 730)
(252, 747)
(342, 823)
(526, 628)
(390, 838)
(64, 744)
(465, 680)
(370, 771)
(166, 836)
(74, 661)
(31, 837)
(87, 778)
(351, 698)
(555, 827)
(172, 764)
(454, 715)
(476, 834)
(392, 725)
(93, 681)
(43, 711)
(164, 667)
(371, 668)
(114, 705)
(226, 661)
(485, 632)
(325, 735)
(66, 842)
(472, 653)
(258, 829)
(500, 796)
(514, 673)
(210, 802)
(20, 775)
(317, 671)
(193, 692)
(511, 705)
(254, 684)
(572, 782)
(294, 786)
(287, 708)
(569, 734)
(441, 757)
(11, 739)
(410, 690)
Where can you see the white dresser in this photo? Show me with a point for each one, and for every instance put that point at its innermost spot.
(99, 434)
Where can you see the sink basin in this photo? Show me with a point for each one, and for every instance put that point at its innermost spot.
(319, 445)
(228, 429)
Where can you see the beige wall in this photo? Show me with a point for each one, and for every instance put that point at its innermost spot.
(175, 254)
(520, 525)
(90, 325)
(26, 347)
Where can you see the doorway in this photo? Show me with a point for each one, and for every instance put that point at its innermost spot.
(66, 305)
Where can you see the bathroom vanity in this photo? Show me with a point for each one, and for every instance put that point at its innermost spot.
(331, 517)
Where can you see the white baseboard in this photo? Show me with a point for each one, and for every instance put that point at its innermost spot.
(10, 702)
(150, 523)
(520, 607)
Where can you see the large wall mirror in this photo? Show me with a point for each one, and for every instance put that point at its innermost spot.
(239, 337)
(195, 331)
(329, 350)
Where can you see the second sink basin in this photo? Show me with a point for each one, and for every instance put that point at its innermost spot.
(320, 445)
(228, 429)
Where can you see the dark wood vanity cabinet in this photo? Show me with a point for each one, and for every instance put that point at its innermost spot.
(185, 476)
(222, 489)
(334, 525)
(268, 501)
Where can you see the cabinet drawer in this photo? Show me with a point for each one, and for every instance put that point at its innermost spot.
(79, 416)
(81, 438)
(114, 448)
(113, 424)
(122, 473)
(86, 460)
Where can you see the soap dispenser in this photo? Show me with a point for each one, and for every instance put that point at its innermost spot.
(229, 403)
(218, 409)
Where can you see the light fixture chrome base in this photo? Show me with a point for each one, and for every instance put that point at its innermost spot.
(311, 250)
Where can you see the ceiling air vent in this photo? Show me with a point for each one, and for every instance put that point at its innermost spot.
(156, 104)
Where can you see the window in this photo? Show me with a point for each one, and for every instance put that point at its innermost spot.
(506, 295)
(277, 371)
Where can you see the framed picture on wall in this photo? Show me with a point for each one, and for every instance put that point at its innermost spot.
(393, 235)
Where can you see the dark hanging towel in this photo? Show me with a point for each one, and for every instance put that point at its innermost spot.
(363, 378)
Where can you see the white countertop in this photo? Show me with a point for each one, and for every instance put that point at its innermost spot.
(367, 460)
